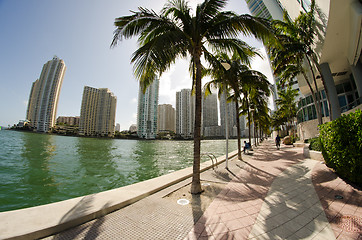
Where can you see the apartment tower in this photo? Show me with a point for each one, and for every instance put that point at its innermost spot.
(210, 116)
(338, 53)
(44, 96)
(185, 113)
(166, 118)
(98, 112)
(147, 111)
(230, 109)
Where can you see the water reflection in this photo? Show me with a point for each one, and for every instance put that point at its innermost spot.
(97, 168)
(145, 155)
(38, 184)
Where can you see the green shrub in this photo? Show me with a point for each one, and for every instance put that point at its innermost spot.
(341, 143)
(315, 144)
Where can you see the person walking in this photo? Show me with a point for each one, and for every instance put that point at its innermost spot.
(277, 142)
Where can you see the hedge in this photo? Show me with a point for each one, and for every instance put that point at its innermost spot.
(341, 144)
(315, 144)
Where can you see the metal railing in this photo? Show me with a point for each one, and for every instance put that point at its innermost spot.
(212, 157)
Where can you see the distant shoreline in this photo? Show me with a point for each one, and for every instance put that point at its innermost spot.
(126, 138)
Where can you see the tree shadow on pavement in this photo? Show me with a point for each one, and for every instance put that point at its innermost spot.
(89, 230)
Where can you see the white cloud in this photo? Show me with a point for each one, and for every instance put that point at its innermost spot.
(134, 100)
(177, 78)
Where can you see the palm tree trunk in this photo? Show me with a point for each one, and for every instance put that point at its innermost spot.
(196, 184)
(317, 103)
(319, 115)
(247, 107)
(238, 126)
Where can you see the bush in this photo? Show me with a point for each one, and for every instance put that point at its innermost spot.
(341, 143)
(315, 144)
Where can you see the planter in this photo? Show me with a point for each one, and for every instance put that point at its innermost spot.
(315, 155)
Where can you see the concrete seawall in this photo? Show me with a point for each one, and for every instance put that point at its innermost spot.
(45, 220)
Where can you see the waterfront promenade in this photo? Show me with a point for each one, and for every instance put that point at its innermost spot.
(271, 194)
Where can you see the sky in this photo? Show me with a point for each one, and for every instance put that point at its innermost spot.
(80, 32)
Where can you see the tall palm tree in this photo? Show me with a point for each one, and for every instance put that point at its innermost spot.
(260, 114)
(176, 33)
(255, 90)
(287, 106)
(296, 51)
(229, 81)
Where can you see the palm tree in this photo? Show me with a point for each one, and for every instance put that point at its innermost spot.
(288, 59)
(229, 81)
(255, 89)
(175, 33)
(260, 114)
(287, 106)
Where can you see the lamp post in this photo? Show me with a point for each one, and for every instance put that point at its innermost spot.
(227, 66)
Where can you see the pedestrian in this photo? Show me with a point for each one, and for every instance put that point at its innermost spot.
(277, 142)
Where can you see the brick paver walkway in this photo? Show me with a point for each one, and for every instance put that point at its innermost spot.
(273, 194)
(273, 197)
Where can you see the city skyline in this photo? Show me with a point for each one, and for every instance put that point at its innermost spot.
(83, 42)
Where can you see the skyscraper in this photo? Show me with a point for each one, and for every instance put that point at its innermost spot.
(185, 113)
(270, 9)
(44, 96)
(147, 111)
(98, 112)
(209, 111)
(230, 109)
(166, 118)
(337, 48)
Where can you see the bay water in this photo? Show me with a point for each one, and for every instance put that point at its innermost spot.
(37, 169)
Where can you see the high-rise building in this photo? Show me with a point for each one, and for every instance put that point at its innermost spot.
(338, 52)
(166, 118)
(270, 9)
(118, 127)
(210, 119)
(98, 112)
(185, 113)
(230, 109)
(210, 111)
(147, 111)
(44, 96)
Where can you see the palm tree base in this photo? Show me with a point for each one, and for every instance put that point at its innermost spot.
(196, 188)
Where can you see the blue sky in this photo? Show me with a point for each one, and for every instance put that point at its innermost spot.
(80, 33)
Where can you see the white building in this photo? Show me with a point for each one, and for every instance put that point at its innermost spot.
(339, 56)
(44, 96)
(147, 111)
(185, 113)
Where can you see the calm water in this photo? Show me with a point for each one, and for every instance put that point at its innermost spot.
(37, 169)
